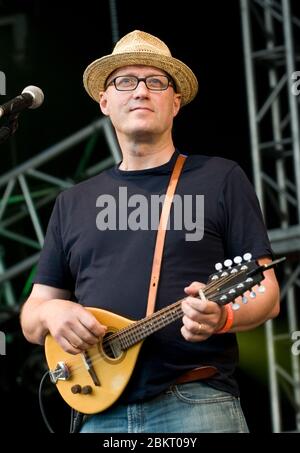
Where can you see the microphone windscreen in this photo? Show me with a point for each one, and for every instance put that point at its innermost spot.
(36, 93)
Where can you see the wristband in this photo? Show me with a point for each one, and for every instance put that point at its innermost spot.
(229, 320)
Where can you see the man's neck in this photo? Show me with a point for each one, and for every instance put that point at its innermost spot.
(143, 157)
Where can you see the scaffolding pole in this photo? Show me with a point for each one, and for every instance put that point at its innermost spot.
(269, 29)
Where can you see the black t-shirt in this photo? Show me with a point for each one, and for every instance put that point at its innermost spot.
(110, 268)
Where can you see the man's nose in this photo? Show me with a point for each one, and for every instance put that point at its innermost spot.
(141, 88)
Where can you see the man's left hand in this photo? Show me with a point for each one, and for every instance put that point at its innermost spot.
(202, 317)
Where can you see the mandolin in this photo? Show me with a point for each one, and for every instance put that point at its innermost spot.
(92, 381)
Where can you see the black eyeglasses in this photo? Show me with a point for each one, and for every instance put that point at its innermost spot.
(153, 82)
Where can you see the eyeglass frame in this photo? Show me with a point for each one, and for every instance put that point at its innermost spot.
(143, 79)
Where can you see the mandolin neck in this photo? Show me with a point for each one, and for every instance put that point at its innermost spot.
(141, 329)
(222, 288)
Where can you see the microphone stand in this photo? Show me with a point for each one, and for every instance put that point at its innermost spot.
(10, 128)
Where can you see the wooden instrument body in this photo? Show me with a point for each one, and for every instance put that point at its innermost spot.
(113, 373)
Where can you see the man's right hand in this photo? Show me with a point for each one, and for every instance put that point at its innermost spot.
(73, 327)
(49, 310)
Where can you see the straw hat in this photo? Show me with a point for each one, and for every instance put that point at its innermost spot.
(140, 48)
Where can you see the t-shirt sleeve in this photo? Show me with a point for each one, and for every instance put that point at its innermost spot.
(243, 225)
(53, 269)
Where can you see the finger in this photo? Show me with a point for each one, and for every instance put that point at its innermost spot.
(189, 336)
(82, 334)
(94, 327)
(77, 342)
(68, 347)
(203, 326)
(194, 327)
(192, 305)
(193, 288)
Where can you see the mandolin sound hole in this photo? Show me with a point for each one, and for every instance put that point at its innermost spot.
(111, 347)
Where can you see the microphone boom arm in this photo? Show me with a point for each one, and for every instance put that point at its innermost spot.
(10, 128)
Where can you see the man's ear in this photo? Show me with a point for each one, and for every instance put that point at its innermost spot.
(103, 103)
(177, 104)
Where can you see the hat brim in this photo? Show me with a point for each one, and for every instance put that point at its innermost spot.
(97, 72)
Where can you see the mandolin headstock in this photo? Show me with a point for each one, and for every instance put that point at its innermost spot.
(235, 278)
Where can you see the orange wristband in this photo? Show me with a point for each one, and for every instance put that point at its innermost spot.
(229, 320)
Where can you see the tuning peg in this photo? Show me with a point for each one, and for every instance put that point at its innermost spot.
(223, 298)
(228, 263)
(261, 288)
(247, 256)
(218, 266)
(252, 294)
(235, 306)
(237, 259)
(244, 299)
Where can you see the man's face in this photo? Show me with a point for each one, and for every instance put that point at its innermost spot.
(140, 113)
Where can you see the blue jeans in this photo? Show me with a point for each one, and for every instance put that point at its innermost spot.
(186, 408)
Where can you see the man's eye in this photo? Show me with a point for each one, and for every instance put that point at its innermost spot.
(126, 81)
(154, 82)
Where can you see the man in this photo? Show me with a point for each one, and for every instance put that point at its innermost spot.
(99, 251)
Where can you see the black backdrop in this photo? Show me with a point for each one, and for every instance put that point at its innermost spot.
(64, 38)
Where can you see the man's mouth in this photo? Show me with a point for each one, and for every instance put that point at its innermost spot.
(141, 108)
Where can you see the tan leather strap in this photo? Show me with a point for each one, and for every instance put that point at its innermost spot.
(161, 233)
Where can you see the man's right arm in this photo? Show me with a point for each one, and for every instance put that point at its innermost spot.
(49, 310)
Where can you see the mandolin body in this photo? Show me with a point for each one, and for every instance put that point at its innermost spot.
(112, 372)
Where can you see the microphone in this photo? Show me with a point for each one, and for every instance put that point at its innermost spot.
(32, 97)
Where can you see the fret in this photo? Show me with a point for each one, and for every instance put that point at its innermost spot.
(141, 329)
(146, 326)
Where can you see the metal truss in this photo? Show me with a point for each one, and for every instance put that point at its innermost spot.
(29, 190)
(270, 30)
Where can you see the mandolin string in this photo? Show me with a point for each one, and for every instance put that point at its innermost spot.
(209, 291)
